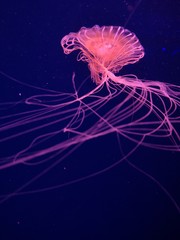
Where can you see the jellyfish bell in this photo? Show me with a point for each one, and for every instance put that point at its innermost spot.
(106, 48)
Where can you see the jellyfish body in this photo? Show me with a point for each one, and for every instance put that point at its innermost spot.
(104, 48)
(140, 111)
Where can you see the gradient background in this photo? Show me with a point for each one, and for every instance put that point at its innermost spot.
(122, 203)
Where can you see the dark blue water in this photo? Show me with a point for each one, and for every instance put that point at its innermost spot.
(121, 203)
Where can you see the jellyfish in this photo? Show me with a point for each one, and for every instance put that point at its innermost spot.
(139, 112)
